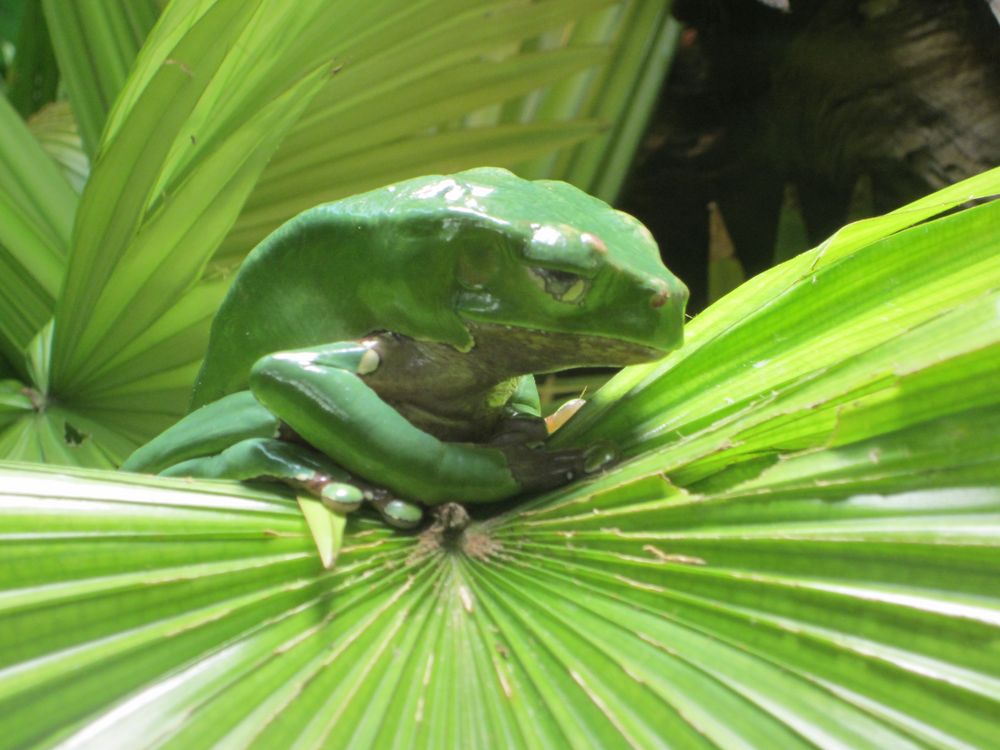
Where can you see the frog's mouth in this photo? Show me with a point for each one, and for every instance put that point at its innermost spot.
(527, 350)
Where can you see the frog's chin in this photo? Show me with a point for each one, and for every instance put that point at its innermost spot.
(535, 350)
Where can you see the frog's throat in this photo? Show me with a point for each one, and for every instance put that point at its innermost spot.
(515, 350)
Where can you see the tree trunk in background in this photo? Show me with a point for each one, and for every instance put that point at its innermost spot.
(904, 92)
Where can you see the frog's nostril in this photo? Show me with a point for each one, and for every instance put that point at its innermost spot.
(659, 298)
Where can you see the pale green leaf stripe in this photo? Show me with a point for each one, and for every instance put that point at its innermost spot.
(148, 385)
(37, 207)
(621, 93)
(348, 31)
(958, 440)
(367, 663)
(633, 114)
(890, 386)
(869, 630)
(901, 601)
(620, 637)
(569, 98)
(34, 192)
(840, 396)
(24, 306)
(17, 442)
(173, 23)
(45, 437)
(95, 44)
(616, 96)
(293, 683)
(175, 340)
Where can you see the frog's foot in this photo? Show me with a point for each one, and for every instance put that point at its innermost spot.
(520, 429)
(340, 497)
(541, 469)
(599, 456)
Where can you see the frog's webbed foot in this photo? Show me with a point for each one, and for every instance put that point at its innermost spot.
(541, 469)
(520, 429)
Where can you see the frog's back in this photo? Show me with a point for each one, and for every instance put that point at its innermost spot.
(385, 260)
(382, 260)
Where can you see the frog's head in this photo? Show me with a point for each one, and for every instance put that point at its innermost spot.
(577, 273)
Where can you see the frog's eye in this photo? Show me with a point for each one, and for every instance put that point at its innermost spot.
(561, 285)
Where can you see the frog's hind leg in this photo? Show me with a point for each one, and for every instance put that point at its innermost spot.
(300, 466)
(268, 458)
(205, 432)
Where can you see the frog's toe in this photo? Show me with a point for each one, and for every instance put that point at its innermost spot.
(340, 497)
(540, 469)
(401, 514)
(599, 456)
(521, 429)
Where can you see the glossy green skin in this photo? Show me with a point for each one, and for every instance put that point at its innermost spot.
(384, 339)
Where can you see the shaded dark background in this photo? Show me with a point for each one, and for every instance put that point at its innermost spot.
(892, 98)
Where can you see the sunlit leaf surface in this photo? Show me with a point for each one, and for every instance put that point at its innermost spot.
(811, 610)
(800, 549)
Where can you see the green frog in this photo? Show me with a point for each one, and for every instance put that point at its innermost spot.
(381, 348)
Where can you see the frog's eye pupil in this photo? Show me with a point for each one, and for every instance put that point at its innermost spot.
(564, 286)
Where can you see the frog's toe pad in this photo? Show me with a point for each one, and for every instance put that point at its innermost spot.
(400, 514)
(599, 456)
(340, 497)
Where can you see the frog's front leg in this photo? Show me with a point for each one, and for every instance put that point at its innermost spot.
(319, 392)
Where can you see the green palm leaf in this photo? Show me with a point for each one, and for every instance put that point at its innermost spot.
(801, 553)
(642, 36)
(778, 616)
(37, 206)
(95, 45)
(55, 128)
